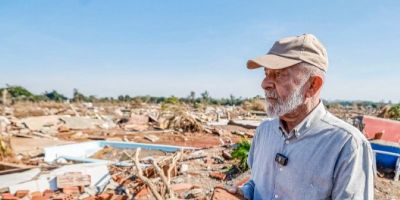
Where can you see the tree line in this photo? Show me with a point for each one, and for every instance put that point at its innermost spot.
(19, 93)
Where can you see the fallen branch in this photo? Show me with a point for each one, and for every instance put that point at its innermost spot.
(164, 179)
(152, 187)
(173, 165)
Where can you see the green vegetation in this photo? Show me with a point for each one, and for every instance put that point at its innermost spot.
(394, 112)
(19, 93)
(172, 100)
(55, 96)
(241, 153)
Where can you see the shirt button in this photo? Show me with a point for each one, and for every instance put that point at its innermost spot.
(287, 142)
(276, 196)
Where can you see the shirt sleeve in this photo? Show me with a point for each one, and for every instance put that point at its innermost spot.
(248, 188)
(353, 176)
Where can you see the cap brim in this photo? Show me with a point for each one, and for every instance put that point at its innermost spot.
(271, 61)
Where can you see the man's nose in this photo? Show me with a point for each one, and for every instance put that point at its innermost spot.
(267, 84)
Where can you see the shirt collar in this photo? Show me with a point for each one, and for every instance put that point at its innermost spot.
(318, 112)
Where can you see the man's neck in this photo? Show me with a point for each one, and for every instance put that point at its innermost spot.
(292, 119)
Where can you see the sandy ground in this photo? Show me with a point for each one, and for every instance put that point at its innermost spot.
(387, 189)
(30, 145)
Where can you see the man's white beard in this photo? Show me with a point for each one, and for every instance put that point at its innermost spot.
(282, 107)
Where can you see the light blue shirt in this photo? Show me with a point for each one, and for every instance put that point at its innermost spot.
(327, 159)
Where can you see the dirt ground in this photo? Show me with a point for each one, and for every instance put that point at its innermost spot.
(387, 189)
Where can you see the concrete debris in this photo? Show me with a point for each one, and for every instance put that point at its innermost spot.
(152, 138)
(72, 179)
(88, 150)
(80, 122)
(39, 122)
(250, 124)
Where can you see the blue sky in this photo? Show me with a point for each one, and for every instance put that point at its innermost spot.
(164, 48)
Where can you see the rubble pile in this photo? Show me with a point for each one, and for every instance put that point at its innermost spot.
(128, 151)
(118, 171)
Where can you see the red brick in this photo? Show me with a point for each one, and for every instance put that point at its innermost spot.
(105, 196)
(8, 196)
(36, 194)
(242, 181)
(142, 193)
(119, 197)
(73, 190)
(90, 198)
(218, 175)
(64, 197)
(181, 187)
(39, 198)
(21, 193)
(48, 193)
(222, 194)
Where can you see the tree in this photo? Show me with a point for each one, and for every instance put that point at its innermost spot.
(205, 97)
(77, 96)
(394, 112)
(55, 96)
(192, 97)
(18, 92)
(171, 100)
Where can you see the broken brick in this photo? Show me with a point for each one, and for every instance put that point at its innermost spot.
(218, 175)
(8, 196)
(63, 197)
(105, 196)
(48, 193)
(226, 155)
(120, 197)
(222, 194)
(21, 193)
(90, 198)
(180, 187)
(242, 181)
(142, 193)
(73, 190)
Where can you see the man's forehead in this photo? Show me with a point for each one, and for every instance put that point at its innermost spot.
(277, 70)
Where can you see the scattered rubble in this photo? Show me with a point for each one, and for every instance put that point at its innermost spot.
(111, 151)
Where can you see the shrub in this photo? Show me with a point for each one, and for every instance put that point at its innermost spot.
(241, 153)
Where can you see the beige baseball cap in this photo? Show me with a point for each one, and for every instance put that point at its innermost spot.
(293, 50)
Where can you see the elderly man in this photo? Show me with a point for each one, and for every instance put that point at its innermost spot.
(304, 152)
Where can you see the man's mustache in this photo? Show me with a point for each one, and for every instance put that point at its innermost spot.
(271, 94)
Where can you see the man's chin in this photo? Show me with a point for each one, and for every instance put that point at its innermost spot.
(271, 112)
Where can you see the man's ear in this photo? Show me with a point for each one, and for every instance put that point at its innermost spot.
(314, 86)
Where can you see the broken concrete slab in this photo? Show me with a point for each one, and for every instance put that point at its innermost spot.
(82, 151)
(18, 177)
(137, 123)
(221, 122)
(78, 123)
(98, 172)
(250, 124)
(37, 123)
